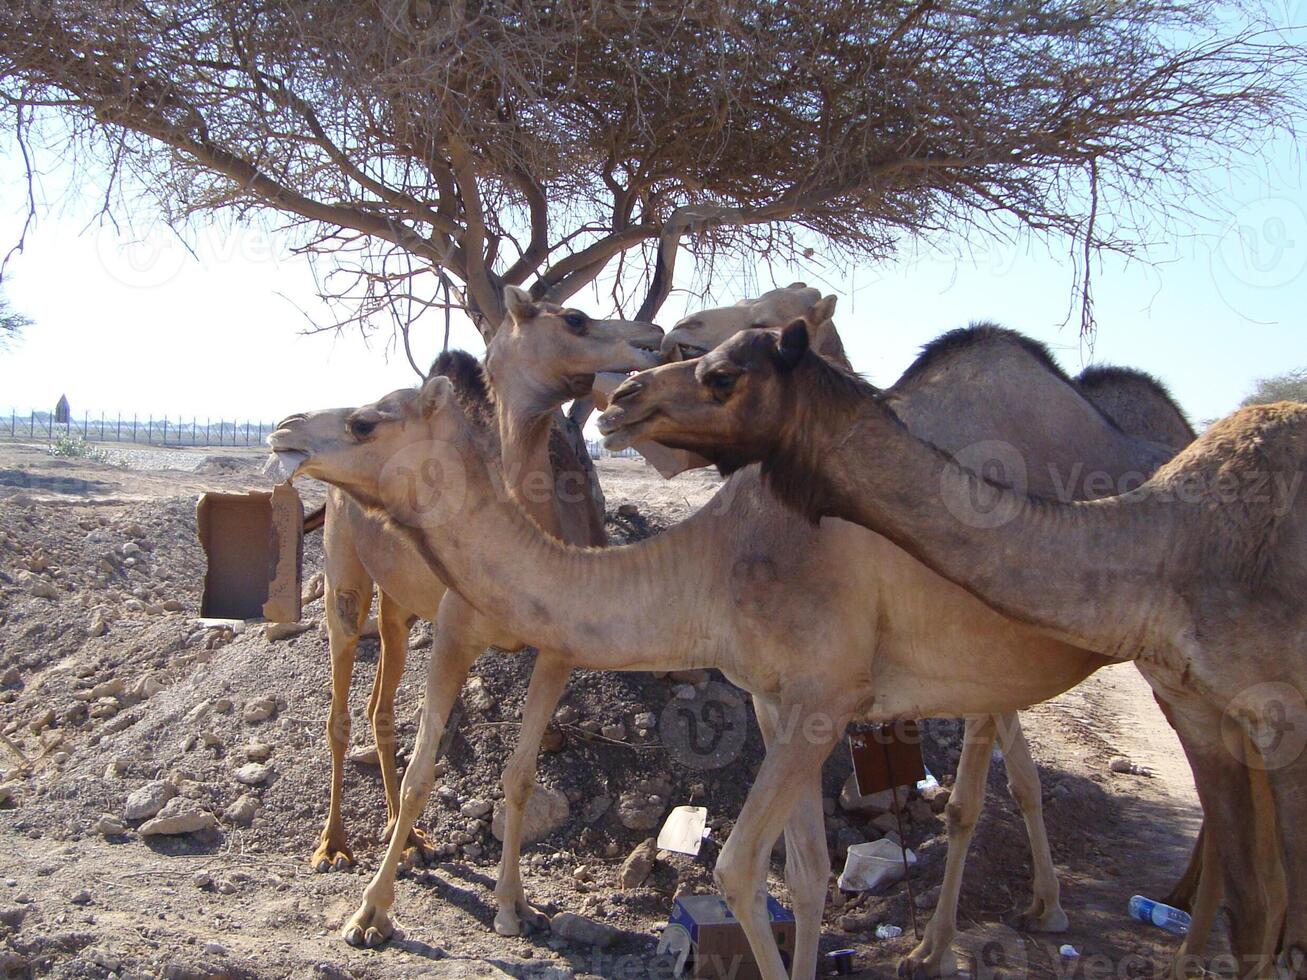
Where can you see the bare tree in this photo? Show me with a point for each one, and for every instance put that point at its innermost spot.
(437, 151)
(11, 324)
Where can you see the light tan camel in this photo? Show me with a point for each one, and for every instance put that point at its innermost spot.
(542, 356)
(1197, 575)
(872, 623)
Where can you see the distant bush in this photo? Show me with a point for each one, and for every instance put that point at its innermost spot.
(73, 446)
(1290, 386)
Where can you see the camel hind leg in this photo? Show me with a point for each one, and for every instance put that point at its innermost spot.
(1045, 912)
(934, 956)
(348, 597)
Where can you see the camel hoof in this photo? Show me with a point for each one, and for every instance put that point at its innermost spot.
(329, 857)
(521, 919)
(369, 927)
(1034, 920)
(507, 923)
(917, 966)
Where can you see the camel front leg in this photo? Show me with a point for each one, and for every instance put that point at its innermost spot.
(1045, 912)
(547, 682)
(788, 773)
(456, 646)
(934, 956)
(393, 623)
(348, 597)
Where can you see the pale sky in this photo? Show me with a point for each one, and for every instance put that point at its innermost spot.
(130, 321)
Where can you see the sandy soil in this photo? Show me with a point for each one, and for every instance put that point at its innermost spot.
(240, 900)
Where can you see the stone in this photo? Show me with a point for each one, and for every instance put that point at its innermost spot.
(12, 915)
(43, 589)
(596, 808)
(641, 809)
(883, 802)
(546, 811)
(476, 808)
(314, 589)
(172, 605)
(11, 678)
(82, 897)
(42, 721)
(364, 755)
(845, 838)
(927, 899)
(284, 631)
(638, 864)
(252, 774)
(6, 792)
(1121, 764)
(259, 709)
(97, 627)
(646, 721)
(887, 823)
(553, 739)
(109, 826)
(241, 812)
(258, 751)
(578, 929)
(938, 797)
(476, 697)
(148, 800)
(858, 922)
(920, 811)
(202, 880)
(179, 816)
(616, 731)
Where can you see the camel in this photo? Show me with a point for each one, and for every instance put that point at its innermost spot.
(542, 356)
(739, 588)
(1195, 575)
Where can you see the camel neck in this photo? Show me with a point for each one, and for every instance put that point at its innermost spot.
(608, 608)
(528, 471)
(1076, 569)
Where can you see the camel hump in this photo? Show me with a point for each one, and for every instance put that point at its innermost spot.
(468, 377)
(1140, 404)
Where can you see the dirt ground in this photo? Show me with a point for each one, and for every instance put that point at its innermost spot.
(109, 682)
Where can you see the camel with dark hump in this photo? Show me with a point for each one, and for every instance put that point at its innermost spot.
(822, 624)
(542, 356)
(1197, 575)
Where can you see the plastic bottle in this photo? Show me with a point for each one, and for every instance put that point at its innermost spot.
(1162, 916)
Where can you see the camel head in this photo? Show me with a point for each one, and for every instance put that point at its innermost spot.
(389, 455)
(544, 354)
(732, 405)
(701, 332)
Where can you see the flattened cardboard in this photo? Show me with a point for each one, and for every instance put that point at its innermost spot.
(668, 462)
(254, 543)
(887, 756)
(719, 950)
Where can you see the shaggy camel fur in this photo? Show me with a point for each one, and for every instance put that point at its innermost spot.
(869, 620)
(542, 356)
(1196, 575)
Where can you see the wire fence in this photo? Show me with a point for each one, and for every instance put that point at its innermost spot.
(170, 431)
(146, 430)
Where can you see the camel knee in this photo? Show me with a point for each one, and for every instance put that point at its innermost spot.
(338, 726)
(736, 876)
(519, 784)
(346, 607)
(960, 818)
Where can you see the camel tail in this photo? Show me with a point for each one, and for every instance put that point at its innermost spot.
(315, 519)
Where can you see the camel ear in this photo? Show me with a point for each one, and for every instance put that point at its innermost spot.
(793, 345)
(823, 310)
(519, 305)
(797, 285)
(435, 394)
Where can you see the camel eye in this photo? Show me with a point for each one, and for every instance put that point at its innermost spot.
(575, 320)
(720, 384)
(362, 428)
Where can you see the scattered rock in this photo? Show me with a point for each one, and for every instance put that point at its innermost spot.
(202, 880)
(546, 812)
(83, 897)
(314, 589)
(476, 808)
(6, 792)
(920, 811)
(616, 731)
(12, 915)
(241, 813)
(43, 589)
(596, 808)
(148, 800)
(109, 826)
(258, 751)
(179, 816)
(646, 721)
(553, 739)
(638, 864)
(927, 899)
(284, 631)
(259, 709)
(252, 774)
(364, 755)
(882, 802)
(588, 932)
(845, 838)
(858, 921)
(476, 697)
(642, 807)
(98, 626)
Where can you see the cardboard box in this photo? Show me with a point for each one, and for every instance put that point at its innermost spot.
(710, 943)
(668, 462)
(254, 543)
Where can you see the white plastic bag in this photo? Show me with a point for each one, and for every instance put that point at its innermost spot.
(873, 865)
